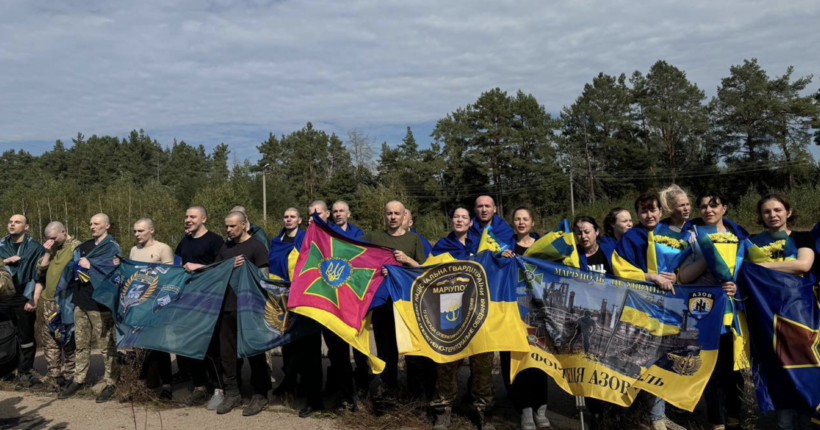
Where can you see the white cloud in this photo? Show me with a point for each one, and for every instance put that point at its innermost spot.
(233, 70)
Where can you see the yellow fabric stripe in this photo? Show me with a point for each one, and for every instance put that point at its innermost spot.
(651, 255)
(359, 340)
(503, 330)
(624, 269)
(742, 352)
(487, 243)
(438, 259)
(292, 257)
(642, 319)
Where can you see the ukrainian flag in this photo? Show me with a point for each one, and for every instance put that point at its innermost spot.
(653, 317)
(489, 242)
(454, 310)
(557, 246)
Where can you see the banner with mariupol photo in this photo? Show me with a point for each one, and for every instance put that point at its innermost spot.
(607, 338)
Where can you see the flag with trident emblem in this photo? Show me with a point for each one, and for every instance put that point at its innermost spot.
(334, 282)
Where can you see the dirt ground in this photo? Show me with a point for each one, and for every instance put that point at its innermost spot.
(42, 410)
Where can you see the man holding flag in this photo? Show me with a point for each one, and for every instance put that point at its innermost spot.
(408, 250)
(20, 253)
(93, 323)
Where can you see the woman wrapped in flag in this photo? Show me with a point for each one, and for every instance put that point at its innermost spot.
(591, 254)
(529, 390)
(781, 249)
(457, 245)
(616, 223)
(675, 202)
(651, 252)
(720, 250)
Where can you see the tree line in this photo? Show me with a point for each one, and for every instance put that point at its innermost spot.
(621, 136)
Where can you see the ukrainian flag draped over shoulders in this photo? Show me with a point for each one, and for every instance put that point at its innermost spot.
(335, 281)
(641, 251)
(454, 310)
(449, 249)
(502, 233)
(784, 325)
(283, 255)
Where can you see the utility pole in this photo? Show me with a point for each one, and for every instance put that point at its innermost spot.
(571, 194)
(265, 194)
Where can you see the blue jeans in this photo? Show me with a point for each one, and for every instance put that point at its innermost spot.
(658, 408)
(790, 419)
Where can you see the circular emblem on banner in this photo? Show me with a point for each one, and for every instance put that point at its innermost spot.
(450, 302)
(700, 304)
(137, 289)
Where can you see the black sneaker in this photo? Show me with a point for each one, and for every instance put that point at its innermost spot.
(197, 398)
(106, 394)
(229, 404)
(166, 395)
(70, 390)
(257, 404)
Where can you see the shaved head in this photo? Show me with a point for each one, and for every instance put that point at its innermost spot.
(239, 209)
(238, 215)
(53, 227)
(201, 210)
(149, 223)
(394, 203)
(102, 218)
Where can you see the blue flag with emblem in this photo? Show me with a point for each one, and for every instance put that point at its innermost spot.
(101, 259)
(163, 307)
(784, 327)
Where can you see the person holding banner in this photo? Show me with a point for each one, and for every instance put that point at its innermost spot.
(716, 265)
(636, 257)
(148, 250)
(592, 256)
(529, 390)
(781, 249)
(457, 245)
(485, 214)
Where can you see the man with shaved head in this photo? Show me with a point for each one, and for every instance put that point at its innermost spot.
(93, 322)
(409, 251)
(20, 253)
(59, 347)
(485, 214)
(244, 249)
(199, 247)
(408, 225)
(341, 215)
(255, 231)
(149, 250)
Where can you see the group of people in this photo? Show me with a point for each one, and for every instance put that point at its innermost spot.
(31, 275)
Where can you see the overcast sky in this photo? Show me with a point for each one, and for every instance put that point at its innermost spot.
(233, 71)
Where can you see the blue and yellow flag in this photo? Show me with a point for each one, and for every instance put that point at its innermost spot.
(282, 255)
(489, 242)
(101, 259)
(557, 245)
(784, 327)
(454, 310)
(641, 251)
(609, 338)
(655, 318)
(767, 248)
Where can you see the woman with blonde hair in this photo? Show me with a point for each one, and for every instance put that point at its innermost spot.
(675, 202)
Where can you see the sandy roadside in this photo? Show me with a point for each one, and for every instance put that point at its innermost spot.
(29, 411)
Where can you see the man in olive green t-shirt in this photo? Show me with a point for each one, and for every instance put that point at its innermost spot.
(408, 250)
(59, 253)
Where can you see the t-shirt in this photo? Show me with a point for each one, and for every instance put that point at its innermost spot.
(16, 246)
(85, 290)
(409, 243)
(255, 253)
(598, 263)
(288, 239)
(520, 250)
(802, 239)
(200, 250)
(158, 252)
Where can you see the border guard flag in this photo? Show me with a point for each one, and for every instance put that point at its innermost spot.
(784, 326)
(454, 310)
(335, 280)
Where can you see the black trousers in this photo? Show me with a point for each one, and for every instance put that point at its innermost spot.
(338, 352)
(384, 330)
(208, 369)
(302, 365)
(24, 324)
(529, 390)
(162, 361)
(725, 386)
(260, 372)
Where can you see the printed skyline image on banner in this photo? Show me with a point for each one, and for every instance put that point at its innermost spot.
(604, 337)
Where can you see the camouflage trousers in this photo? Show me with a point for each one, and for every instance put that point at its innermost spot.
(94, 328)
(59, 357)
(481, 387)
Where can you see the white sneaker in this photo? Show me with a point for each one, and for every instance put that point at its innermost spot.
(527, 422)
(216, 400)
(541, 419)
